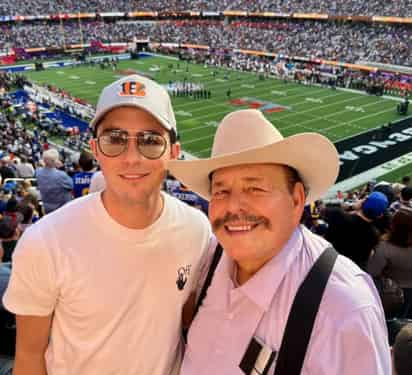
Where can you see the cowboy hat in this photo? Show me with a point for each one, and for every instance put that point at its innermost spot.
(247, 137)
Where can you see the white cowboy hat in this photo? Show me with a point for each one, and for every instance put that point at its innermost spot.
(247, 137)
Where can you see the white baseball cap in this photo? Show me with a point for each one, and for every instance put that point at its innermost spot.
(137, 91)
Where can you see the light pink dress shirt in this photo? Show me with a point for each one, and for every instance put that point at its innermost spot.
(349, 335)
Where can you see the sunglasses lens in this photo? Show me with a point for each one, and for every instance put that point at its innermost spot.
(151, 145)
(112, 144)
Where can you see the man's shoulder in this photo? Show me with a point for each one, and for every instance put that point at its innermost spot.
(186, 213)
(350, 289)
(72, 213)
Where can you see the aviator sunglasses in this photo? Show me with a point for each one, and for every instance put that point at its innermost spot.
(150, 144)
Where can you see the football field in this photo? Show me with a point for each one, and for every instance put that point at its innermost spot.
(291, 107)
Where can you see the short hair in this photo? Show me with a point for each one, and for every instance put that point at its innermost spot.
(401, 228)
(402, 351)
(50, 157)
(86, 161)
(406, 180)
(293, 177)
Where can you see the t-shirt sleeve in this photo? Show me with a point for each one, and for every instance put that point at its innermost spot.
(32, 289)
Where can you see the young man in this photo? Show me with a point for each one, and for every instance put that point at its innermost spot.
(106, 277)
(257, 183)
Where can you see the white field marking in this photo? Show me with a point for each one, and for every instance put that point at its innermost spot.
(74, 77)
(178, 70)
(60, 72)
(197, 75)
(247, 86)
(280, 93)
(352, 121)
(204, 150)
(354, 108)
(184, 114)
(280, 118)
(90, 82)
(220, 80)
(212, 123)
(339, 124)
(117, 76)
(368, 116)
(197, 139)
(208, 124)
(322, 106)
(314, 100)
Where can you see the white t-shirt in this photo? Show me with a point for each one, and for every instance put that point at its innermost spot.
(116, 293)
(97, 183)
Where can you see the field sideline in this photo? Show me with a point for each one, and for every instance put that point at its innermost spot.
(336, 114)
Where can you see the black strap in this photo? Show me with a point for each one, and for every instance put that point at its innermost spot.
(303, 314)
(215, 261)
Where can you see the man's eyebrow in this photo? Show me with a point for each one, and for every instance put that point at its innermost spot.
(217, 184)
(252, 179)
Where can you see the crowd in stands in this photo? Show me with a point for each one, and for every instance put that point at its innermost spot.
(349, 42)
(400, 8)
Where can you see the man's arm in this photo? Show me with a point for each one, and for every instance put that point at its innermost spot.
(31, 342)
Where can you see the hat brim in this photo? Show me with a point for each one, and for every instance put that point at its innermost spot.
(311, 154)
(101, 114)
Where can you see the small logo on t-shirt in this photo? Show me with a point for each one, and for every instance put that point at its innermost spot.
(182, 275)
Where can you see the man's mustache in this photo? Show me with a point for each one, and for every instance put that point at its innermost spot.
(250, 219)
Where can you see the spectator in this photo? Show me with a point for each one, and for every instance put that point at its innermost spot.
(27, 211)
(353, 234)
(9, 234)
(55, 186)
(24, 168)
(406, 180)
(405, 200)
(393, 257)
(81, 180)
(5, 170)
(402, 351)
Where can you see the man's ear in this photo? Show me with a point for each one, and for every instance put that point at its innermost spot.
(299, 199)
(175, 150)
(93, 147)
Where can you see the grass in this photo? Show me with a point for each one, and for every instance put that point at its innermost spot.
(336, 114)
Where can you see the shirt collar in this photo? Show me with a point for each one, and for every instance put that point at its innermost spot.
(263, 285)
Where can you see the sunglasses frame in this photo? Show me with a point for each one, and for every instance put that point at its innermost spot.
(127, 137)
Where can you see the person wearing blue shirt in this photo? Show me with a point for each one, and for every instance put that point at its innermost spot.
(55, 186)
(81, 180)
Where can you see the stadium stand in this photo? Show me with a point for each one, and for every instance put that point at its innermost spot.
(347, 7)
(382, 43)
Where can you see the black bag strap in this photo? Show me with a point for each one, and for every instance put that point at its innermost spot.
(215, 261)
(303, 314)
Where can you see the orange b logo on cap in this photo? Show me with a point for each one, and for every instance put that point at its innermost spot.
(133, 88)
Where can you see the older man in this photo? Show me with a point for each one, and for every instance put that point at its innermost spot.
(55, 186)
(281, 299)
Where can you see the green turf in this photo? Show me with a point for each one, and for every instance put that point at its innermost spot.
(396, 175)
(336, 114)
